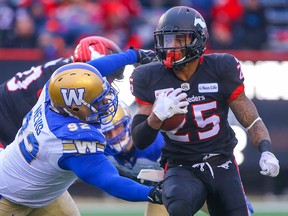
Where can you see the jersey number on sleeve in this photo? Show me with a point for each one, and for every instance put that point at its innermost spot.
(22, 80)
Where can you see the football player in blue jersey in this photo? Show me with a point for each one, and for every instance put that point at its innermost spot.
(120, 149)
(61, 140)
(198, 154)
(19, 94)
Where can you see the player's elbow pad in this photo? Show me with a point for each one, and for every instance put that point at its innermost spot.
(142, 134)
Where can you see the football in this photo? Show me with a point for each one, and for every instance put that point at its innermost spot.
(173, 122)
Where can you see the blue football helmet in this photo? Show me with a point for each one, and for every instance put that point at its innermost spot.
(118, 131)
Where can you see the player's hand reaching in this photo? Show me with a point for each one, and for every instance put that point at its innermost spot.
(144, 56)
(169, 104)
(155, 195)
(269, 164)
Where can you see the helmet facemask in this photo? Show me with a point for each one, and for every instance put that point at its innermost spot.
(104, 107)
(118, 132)
(176, 49)
(79, 90)
(122, 140)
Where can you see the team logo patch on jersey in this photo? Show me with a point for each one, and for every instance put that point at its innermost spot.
(208, 87)
(185, 86)
(81, 147)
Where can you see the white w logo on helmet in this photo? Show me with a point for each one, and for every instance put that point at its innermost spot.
(73, 95)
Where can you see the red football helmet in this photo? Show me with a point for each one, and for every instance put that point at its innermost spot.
(93, 47)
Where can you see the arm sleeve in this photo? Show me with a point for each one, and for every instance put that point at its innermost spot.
(110, 63)
(97, 170)
(142, 134)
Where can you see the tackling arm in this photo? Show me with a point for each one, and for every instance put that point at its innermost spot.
(110, 63)
(98, 171)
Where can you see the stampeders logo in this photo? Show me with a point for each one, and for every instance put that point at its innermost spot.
(194, 98)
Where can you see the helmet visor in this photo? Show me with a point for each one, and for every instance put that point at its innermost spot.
(174, 41)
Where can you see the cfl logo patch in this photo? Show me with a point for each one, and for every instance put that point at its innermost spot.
(71, 96)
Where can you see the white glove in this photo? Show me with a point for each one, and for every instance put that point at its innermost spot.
(269, 164)
(168, 105)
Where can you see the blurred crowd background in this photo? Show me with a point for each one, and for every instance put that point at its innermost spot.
(53, 25)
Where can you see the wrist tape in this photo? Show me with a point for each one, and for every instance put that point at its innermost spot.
(264, 145)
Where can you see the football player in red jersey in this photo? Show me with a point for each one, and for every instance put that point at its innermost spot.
(198, 155)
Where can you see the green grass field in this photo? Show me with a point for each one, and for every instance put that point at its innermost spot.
(141, 214)
(112, 207)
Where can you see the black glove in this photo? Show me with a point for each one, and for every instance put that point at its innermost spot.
(155, 195)
(144, 56)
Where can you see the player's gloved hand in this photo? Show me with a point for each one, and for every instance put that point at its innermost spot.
(84, 51)
(167, 105)
(269, 164)
(155, 195)
(144, 56)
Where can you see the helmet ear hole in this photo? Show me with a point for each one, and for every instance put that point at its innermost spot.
(76, 109)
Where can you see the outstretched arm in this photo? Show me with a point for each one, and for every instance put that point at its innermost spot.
(97, 170)
(110, 63)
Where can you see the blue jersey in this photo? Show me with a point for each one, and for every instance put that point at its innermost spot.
(19, 94)
(51, 151)
(129, 164)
